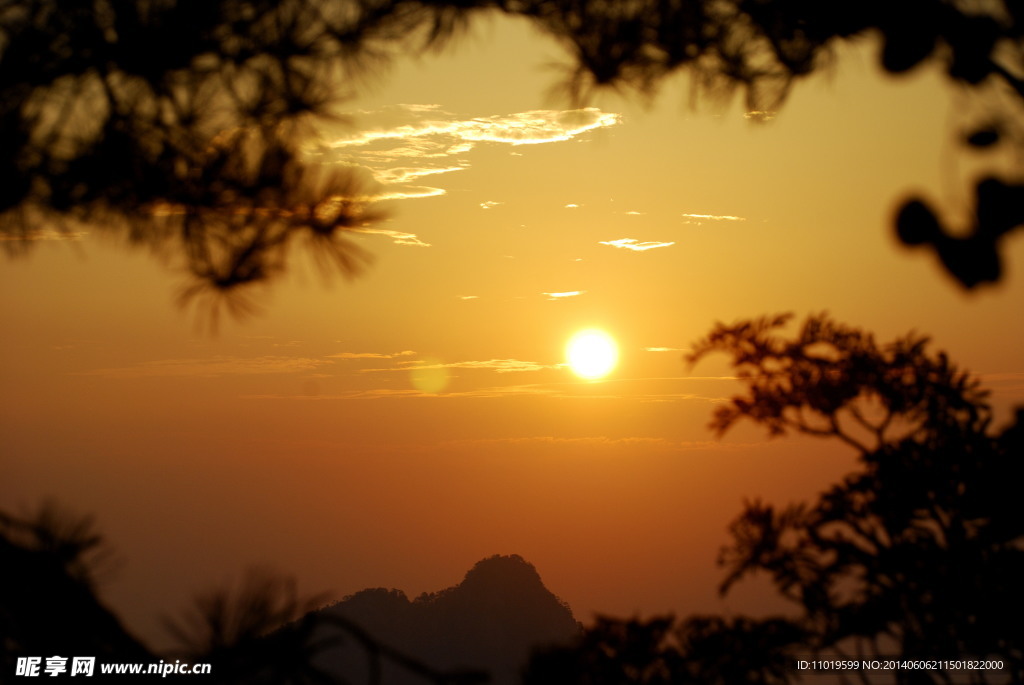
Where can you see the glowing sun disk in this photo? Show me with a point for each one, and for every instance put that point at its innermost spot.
(591, 354)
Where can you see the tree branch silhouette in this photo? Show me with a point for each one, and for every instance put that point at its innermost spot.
(916, 553)
(915, 550)
(262, 632)
(180, 127)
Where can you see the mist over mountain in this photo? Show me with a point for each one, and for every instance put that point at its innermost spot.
(491, 621)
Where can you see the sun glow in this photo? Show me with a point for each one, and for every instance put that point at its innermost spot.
(591, 354)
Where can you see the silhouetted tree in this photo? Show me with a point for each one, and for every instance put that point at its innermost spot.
(180, 125)
(918, 553)
(253, 634)
(263, 632)
(48, 602)
(702, 650)
(611, 652)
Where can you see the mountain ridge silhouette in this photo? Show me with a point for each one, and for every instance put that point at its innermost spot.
(492, 621)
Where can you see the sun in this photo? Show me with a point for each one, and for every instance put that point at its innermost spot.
(591, 354)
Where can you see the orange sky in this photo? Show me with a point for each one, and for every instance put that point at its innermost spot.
(297, 439)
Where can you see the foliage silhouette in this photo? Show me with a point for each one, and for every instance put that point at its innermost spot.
(265, 633)
(701, 650)
(179, 126)
(262, 633)
(48, 603)
(918, 553)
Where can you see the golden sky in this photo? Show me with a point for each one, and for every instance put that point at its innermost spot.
(394, 429)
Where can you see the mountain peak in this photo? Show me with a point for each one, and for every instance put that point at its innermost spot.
(502, 571)
(491, 621)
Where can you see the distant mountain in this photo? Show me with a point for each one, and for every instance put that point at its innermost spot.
(491, 621)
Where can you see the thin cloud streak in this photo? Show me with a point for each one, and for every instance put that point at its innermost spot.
(406, 174)
(564, 295)
(397, 237)
(499, 365)
(714, 217)
(370, 355)
(217, 366)
(634, 245)
(601, 441)
(521, 128)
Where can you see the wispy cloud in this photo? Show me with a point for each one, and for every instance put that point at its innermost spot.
(499, 365)
(760, 115)
(564, 295)
(403, 143)
(490, 204)
(371, 355)
(217, 366)
(520, 128)
(406, 174)
(602, 442)
(595, 441)
(572, 205)
(698, 218)
(408, 193)
(635, 245)
(469, 297)
(397, 237)
(1005, 384)
(665, 349)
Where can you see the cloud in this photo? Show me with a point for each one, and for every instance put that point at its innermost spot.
(406, 174)
(760, 115)
(632, 244)
(402, 143)
(520, 128)
(397, 237)
(602, 443)
(469, 297)
(713, 217)
(1005, 384)
(499, 365)
(572, 205)
(595, 441)
(216, 366)
(564, 295)
(409, 193)
(665, 349)
(370, 355)
(634, 213)
(489, 204)
(420, 108)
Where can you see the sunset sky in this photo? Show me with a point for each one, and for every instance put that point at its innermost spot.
(393, 429)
